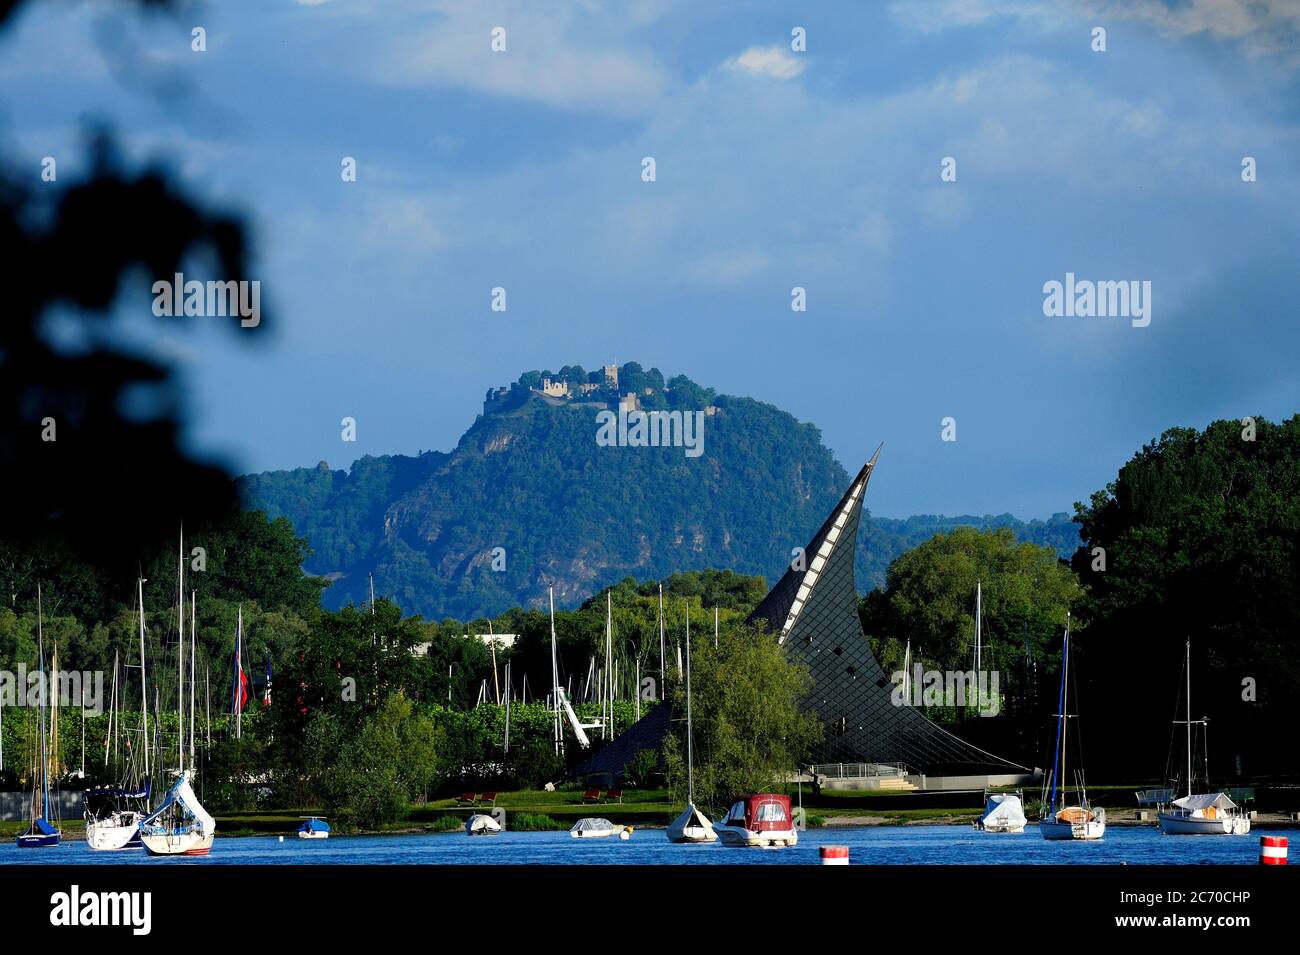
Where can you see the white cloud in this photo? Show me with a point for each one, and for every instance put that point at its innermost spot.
(570, 56)
(774, 62)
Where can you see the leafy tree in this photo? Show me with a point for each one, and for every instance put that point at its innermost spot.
(929, 599)
(1198, 539)
(749, 730)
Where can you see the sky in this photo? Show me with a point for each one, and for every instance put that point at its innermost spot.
(774, 169)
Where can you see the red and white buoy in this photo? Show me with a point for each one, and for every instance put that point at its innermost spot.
(1272, 850)
(839, 855)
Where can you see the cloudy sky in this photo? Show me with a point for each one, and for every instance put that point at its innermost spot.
(775, 169)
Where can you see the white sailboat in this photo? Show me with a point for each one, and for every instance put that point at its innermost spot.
(113, 814)
(1201, 814)
(1067, 820)
(692, 826)
(179, 825)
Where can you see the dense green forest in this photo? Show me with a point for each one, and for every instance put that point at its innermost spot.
(529, 478)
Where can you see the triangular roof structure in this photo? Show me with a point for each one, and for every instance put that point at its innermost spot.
(813, 612)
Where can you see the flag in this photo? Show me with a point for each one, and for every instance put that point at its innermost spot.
(266, 694)
(240, 689)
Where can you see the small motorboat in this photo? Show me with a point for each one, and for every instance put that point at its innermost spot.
(314, 828)
(592, 828)
(480, 824)
(762, 820)
(692, 826)
(1003, 813)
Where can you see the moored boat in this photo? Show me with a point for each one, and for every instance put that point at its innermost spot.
(692, 826)
(481, 824)
(1003, 813)
(1065, 819)
(44, 830)
(111, 822)
(180, 825)
(758, 820)
(1200, 814)
(314, 828)
(593, 828)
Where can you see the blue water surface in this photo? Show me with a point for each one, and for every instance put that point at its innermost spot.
(877, 845)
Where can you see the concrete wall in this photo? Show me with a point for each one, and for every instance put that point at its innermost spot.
(14, 806)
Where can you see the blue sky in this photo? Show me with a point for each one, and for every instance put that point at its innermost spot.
(774, 169)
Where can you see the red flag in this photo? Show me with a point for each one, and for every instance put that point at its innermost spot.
(241, 699)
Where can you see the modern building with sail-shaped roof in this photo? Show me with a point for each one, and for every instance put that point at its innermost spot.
(813, 612)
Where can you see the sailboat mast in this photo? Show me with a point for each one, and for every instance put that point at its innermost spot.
(555, 674)
(239, 672)
(663, 646)
(1060, 717)
(979, 632)
(690, 754)
(144, 693)
(1188, 667)
(193, 646)
(1065, 707)
(608, 729)
(45, 768)
(180, 655)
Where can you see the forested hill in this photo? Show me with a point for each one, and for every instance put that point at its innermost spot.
(529, 477)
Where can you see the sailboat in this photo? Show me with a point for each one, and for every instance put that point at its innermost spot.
(1201, 814)
(180, 825)
(1070, 820)
(692, 826)
(113, 813)
(43, 832)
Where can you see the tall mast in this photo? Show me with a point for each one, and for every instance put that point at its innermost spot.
(715, 627)
(979, 607)
(193, 646)
(144, 693)
(180, 655)
(1065, 707)
(555, 674)
(608, 728)
(45, 768)
(663, 648)
(690, 755)
(1188, 667)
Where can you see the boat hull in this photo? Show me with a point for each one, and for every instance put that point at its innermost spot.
(692, 827)
(741, 838)
(1184, 824)
(1054, 830)
(38, 840)
(313, 835)
(177, 844)
(109, 835)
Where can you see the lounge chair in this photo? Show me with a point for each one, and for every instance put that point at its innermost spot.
(591, 795)
(465, 799)
(613, 795)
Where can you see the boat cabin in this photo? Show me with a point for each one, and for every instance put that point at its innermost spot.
(765, 812)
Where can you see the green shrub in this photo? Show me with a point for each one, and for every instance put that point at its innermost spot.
(535, 822)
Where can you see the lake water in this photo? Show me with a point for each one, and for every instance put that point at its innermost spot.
(880, 845)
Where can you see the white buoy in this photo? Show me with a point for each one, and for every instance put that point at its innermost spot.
(282, 838)
(835, 855)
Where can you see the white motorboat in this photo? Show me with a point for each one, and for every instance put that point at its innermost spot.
(314, 828)
(481, 824)
(593, 828)
(762, 820)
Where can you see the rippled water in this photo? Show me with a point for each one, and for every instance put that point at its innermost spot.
(880, 845)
